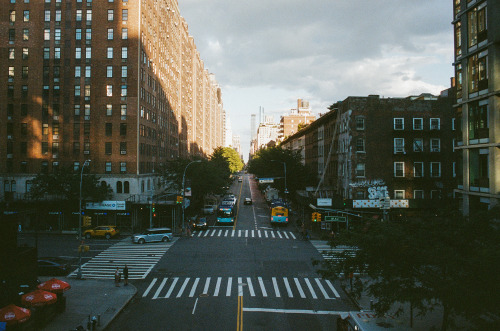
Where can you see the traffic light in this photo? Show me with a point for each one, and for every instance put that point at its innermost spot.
(154, 208)
(87, 221)
(314, 217)
(318, 217)
(179, 199)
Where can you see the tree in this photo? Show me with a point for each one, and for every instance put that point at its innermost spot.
(65, 185)
(231, 156)
(450, 261)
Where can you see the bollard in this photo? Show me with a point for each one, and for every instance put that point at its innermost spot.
(99, 320)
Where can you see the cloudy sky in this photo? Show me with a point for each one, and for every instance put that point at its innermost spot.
(270, 53)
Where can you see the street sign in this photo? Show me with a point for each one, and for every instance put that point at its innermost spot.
(324, 202)
(266, 180)
(185, 203)
(335, 219)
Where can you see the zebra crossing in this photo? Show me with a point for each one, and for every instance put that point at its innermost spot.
(274, 287)
(140, 259)
(229, 233)
(330, 253)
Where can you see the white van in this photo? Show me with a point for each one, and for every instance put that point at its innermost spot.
(151, 235)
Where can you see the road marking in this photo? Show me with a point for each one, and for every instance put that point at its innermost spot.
(250, 287)
(294, 311)
(206, 233)
(292, 235)
(182, 287)
(194, 308)
(229, 282)
(193, 289)
(239, 233)
(301, 292)
(288, 289)
(286, 235)
(253, 234)
(265, 232)
(310, 288)
(264, 292)
(199, 234)
(246, 233)
(220, 232)
(227, 231)
(217, 286)
(332, 288)
(258, 232)
(207, 284)
(149, 288)
(232, 234)
(240, 287)
(213, 232)
(160, 288)
(279, 234)
(172, 287)
(276, 289)
(272, 234)
(239, 323)
(321, 288)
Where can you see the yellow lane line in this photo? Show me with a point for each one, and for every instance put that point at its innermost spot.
(239, 322)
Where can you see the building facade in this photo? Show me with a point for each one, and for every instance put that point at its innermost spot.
(302, 116)
(119, 83)
(477, 75)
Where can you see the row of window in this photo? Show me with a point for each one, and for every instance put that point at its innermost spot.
(401, 194)
(399, 169)
(399, 123)
(76, 111)
(10, 186)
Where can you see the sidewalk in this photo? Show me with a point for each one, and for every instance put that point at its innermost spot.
(90, 297)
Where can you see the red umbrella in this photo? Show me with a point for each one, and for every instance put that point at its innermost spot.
(13, 314)
(54, 285)
(38, 298)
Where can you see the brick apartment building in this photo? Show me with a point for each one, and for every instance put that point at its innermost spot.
(401, 147)
(477, 63)
(118, 82)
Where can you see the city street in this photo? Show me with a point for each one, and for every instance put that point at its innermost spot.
(246, 276)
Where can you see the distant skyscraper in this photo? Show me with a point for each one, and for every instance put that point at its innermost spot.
(253, 129)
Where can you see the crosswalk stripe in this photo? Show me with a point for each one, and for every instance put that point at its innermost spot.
(183, 287)
(206, 233)
(227, 231)
(207, 284)
(217, 287)
(286, 235)
(291, 233)
(240, 287)
(193, 289)
(220, 232)
(250, 287)
(160, 288)
(310, 288)
(253, 234)
(213, 232)
(232, 234)
(264, 292)
(239, 233)
(272, 233)
(279, 234)
(321, 288)
(246, 233)
(276, 289)
(288, 289)
(258, 231)
(301, 292)
(229, 283)
(199, 234)
(332, 288)
(171, 287)
(149, 287)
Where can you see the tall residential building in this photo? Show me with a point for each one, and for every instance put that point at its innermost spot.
(297, 117)
(477, 66)
(268, 131)
(118, 82)
(236, 143)
(253, 129)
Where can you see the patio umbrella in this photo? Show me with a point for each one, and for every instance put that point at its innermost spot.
(54, 285)
(38, 298)
(13, 314)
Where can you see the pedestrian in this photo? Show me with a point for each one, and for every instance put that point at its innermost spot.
(358, 287)
(117, 277)
(125, 275)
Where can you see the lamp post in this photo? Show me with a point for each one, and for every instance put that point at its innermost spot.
(79, 273)
(184, 190)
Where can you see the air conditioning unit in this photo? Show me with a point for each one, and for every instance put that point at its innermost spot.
(123, 152)
(86, 152)
(55, 137)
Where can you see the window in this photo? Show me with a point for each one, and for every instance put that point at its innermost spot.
(123, 112)
(123, 129)
(418, 145)
(78, 71)
(12, 34)
(78, 34)
(418, 124)
(12, 53)
(89, 16)
(108, 167)
(57, 53)
(435, 169)
(124, 14)
(360, 145)
(78, 53)
(478, 120)
(477, 28)
(11, 74)
(435, 124)
(57, 34)
(360, 123)
(418, 169)
(418, 194)
(435, 194)
(399, 145)
(45, 148)
(399, 169)
(110, 34)
(47, 16)
(45, 167)
(76, 166)
(88, 34)
(58, 16)
(109, 110)
(109, 129)
(77, 90)
(109, 90)
(77, 110)
(46, 34)
(399, 124)
(124, 90)
(111, 14)
(25, 53)
(24, 129)
(55, 148)
(124, 33)
(478, 72)
(119, 187)
(26, 34)
(12, 16)
(24, 73)
(435, 145)
(108, 148)
(123, 169)
(26, 16)
(123, 148)
(124, 71)
(124, 52)
(86, 147)
(399, 194)
(109, 53)
(78, 15)
(360, 170)
(109, 71)
(88, 52)
(87, 71)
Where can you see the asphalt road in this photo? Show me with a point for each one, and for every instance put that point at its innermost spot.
(252, 278)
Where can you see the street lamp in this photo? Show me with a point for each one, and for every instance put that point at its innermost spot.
(184, 190)
(79, 273)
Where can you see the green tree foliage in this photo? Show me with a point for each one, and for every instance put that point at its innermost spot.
(65, 185)
(449, 261)
(231, 156)
(269, 163)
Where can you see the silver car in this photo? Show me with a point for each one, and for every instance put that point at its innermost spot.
(151, 235)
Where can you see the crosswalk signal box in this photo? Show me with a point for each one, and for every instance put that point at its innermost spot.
(87, 221)
(316, 217)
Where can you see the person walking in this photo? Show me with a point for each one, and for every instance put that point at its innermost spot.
(125, 275)
(117, 277)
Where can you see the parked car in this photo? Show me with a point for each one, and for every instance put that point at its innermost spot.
(106, 231)
(152, 235)
(200, 224)
(53, 266)
(240, 179)
(248, 201)
(209, 209)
